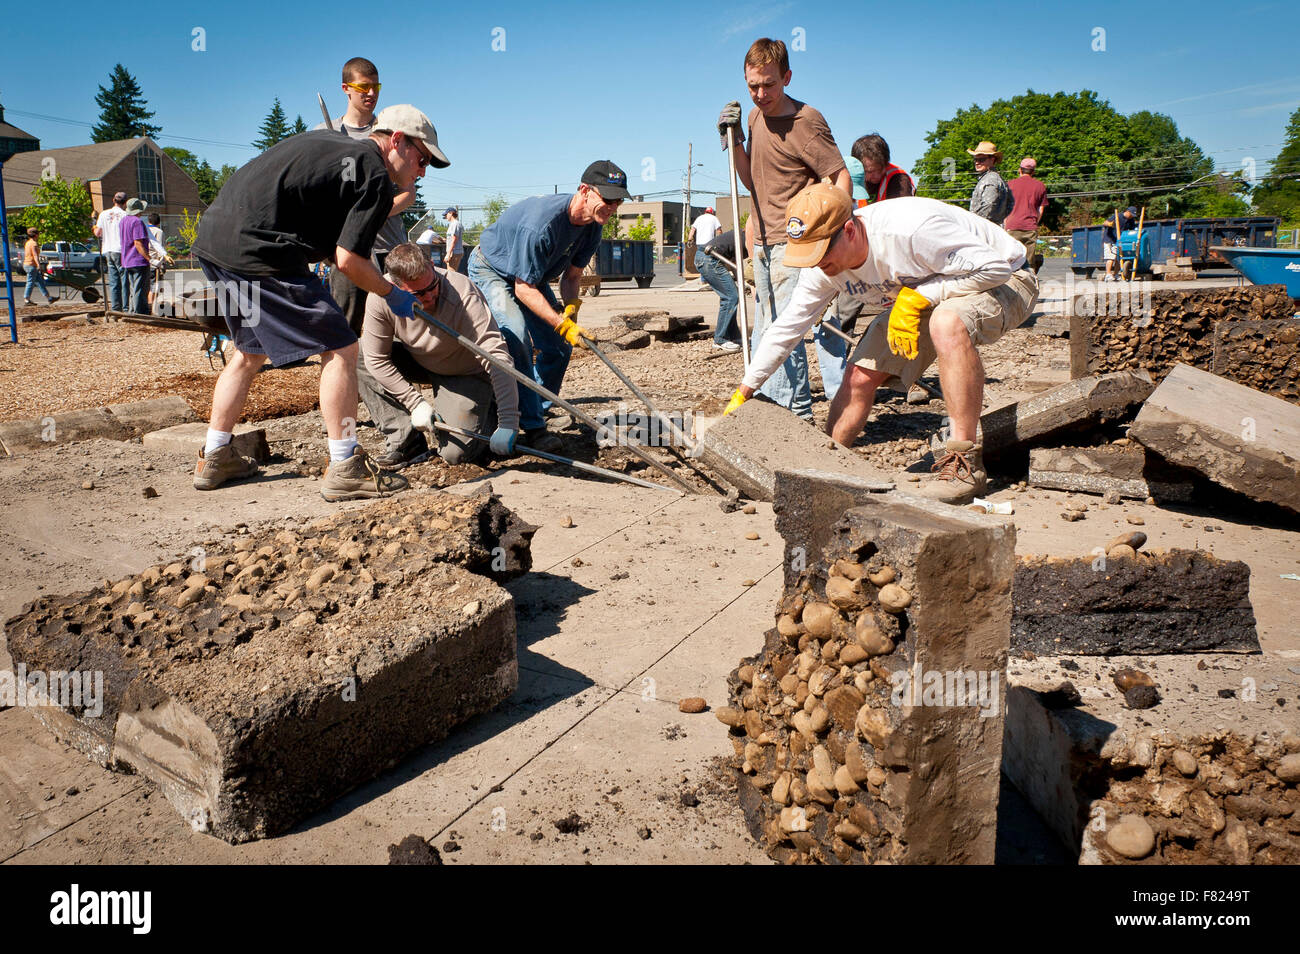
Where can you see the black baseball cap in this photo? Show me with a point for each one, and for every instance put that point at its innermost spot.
(609, 180)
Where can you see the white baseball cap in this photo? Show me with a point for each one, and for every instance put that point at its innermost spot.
(410, 122)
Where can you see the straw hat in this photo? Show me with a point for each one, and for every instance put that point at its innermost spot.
(986, 148)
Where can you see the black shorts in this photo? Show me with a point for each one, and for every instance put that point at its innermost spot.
(286, 319)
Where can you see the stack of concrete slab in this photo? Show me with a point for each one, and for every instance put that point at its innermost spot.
(1131, 327)
(869, 729)
(257, 682)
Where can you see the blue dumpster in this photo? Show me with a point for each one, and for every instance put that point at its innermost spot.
(620, 259)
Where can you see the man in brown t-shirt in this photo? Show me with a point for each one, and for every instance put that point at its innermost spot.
(790, 146)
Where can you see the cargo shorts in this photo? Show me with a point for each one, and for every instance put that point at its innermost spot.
(987, 315)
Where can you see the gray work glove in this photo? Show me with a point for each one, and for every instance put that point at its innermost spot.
(730, 116)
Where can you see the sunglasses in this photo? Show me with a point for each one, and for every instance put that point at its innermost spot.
(424, 157)
(430, 288)
(364, 87)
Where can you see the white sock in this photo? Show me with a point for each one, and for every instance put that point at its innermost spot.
(342, 449)
(216, 441)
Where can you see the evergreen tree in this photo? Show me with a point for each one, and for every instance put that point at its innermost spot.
(122, 113)
(274, 127)
(298, 126)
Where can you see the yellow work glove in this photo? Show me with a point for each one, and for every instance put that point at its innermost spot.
(572, 332)
(571, 306)
(737, 399)
(905, 323)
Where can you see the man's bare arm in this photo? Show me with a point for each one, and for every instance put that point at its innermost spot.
(531, 297)
(571, 283)
(361, 271)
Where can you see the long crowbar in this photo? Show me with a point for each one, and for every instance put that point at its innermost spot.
(554, 398)
(556, 458)
(743, 303)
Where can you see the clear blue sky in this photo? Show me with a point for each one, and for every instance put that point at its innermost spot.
(636, 82)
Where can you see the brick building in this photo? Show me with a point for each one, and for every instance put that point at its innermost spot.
(137, 167)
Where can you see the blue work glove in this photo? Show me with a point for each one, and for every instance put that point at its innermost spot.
(401, 302)
(503, 441)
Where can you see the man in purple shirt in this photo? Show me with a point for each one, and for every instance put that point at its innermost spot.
(135, 257)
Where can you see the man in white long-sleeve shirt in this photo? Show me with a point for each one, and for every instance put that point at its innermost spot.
(950, 281)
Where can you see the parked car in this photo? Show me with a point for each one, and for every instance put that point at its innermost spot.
(73, 255)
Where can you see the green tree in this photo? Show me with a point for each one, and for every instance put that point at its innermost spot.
(613, 229)
(1094, 158)
(494, 207)
(274, 128)
(197, 169)
(1279, 194)
(122, 113)
(219, 178)
(61, 209)
(298, 126)
(642, 230)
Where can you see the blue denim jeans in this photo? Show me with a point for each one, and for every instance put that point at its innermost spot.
(718, 277)
(35, 279)
(136, 293)
(524, 333)
(790, 386)
(116, 282)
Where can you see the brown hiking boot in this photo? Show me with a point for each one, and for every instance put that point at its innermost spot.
(359, 477)
(958, 474)
(221, 465)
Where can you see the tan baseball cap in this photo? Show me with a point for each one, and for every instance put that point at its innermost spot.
(409, 121)
(812, 219)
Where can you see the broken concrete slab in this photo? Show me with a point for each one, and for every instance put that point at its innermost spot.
(749, 445)
(1236, 436)
(1123, 469)
(140, 417)
(186, 440)
(1209, 770)
(257, 684)
(869, 727)
(1130, 326)
(1261, 354)
(628, 341)
(1183, 601)
(1079, 405)
(20, 437)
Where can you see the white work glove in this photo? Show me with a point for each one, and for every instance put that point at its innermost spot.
(422, 416)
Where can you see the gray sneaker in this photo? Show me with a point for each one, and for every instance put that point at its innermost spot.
(359, 477)
(221, 465)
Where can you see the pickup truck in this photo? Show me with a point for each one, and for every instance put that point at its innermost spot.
(72, 255)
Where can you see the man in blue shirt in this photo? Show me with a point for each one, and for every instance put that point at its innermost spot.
(534, 242)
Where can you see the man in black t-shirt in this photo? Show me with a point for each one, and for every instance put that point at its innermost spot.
(314, 196)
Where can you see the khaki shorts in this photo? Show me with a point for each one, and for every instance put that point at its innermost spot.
(987, 315)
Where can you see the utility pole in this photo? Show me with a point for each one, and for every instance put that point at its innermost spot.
(686, 212)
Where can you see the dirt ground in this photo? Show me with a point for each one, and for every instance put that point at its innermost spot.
(56, 536)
